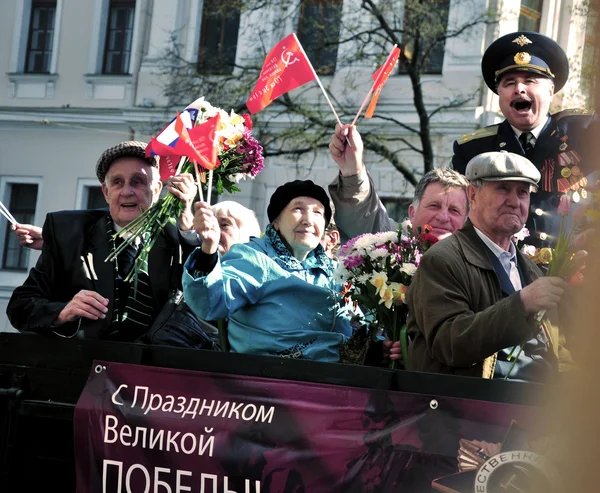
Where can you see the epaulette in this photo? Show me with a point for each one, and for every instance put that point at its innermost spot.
(570, 112)
(478, 134)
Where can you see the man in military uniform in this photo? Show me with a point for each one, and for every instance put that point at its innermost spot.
(525, 69)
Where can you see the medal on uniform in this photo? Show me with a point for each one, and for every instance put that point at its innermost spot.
(564, 145)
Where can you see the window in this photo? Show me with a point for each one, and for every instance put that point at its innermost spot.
(218, 38)
(22, 203)
(424, 35)
(530, 15)
(119, 33)
(95, 198)
(41, 37)
(397, 208)
(319, 32)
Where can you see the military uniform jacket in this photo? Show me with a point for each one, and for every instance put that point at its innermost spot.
(558, 153)
(76, 244)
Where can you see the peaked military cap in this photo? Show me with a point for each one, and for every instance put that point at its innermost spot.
(525, 51)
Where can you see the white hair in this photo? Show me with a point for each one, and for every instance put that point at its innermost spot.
(245, 218)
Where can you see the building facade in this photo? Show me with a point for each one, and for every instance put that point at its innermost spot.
(79, 76)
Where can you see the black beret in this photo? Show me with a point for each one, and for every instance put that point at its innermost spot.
(525, 51)
(297, 188)
(131, 148)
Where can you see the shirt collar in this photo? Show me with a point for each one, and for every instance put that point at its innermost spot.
(535, 131)
(126, 236)
(497, 250)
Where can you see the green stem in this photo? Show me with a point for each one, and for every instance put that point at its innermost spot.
(514, 362)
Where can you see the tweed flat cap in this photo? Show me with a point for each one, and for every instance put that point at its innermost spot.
(130, 148)
(502, 166)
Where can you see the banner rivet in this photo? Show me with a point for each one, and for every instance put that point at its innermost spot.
(99, 368)
(433, 404)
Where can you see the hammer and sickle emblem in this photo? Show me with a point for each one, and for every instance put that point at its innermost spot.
(288, 58)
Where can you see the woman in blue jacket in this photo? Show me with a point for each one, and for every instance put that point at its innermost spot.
(277, 291)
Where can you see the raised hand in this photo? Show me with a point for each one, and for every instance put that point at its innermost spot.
(184, 188)
(206, 225)
(29, 236)
(347, 157)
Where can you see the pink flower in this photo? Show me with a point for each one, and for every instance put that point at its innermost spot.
(564, 206)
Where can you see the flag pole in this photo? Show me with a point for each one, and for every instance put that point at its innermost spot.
(373, 86)
(318, 80)
(198, 182)
(209, 190)
(6, 213)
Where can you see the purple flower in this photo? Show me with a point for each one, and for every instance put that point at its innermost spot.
(352, 262)
(252, 151)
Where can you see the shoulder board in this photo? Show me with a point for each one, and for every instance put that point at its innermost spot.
(570, 112)
(478, 134)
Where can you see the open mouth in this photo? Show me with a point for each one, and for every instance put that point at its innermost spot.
(129, 206)
(521, 104)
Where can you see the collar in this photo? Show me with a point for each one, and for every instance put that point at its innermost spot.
(117, 228)
(535, 131)
(316, 258)
(496, 249)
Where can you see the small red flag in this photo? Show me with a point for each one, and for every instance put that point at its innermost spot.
(197, 143)
(380, 77)
(204, 142)
(285, 68)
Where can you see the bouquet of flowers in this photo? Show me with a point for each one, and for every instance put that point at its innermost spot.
(561, 261)
(376, 270)
(238, 157)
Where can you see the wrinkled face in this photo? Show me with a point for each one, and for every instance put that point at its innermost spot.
(525, 99)
(445, 210)
(301, 225)
(230, 233)
(129, 188)
(500, 208)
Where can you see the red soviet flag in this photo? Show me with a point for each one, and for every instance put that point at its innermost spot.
(286, 68)
(380, 77)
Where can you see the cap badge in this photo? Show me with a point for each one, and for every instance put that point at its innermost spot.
(522, 58)
(522, 40)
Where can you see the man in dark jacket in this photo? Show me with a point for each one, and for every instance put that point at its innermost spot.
(526, 69)
(72, 289)
(475, 297)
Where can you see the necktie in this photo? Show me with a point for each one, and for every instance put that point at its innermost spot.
(526, 141)
(126, 260)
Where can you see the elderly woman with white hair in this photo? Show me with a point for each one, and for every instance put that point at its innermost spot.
(237, 224)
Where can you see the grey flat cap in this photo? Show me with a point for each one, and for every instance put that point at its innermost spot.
(502, 166)
(130, 148)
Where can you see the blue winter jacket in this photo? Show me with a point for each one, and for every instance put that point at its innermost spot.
(276, 304)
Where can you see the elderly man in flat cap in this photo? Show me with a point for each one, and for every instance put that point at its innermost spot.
(525, 70)
(72, 290)
(475, 297)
